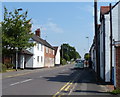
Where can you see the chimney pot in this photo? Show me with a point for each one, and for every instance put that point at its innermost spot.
(37, 32)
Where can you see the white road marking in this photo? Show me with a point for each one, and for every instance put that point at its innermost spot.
(14, 83)
(26, 80)
(20, 82)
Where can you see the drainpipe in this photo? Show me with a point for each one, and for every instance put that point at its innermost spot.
(110, 43)
(96, 36)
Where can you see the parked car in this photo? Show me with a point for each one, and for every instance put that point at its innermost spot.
(79, 65)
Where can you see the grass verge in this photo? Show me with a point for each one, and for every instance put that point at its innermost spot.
(116, 91)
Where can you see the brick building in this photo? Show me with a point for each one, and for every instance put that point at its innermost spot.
(49, 55)
(117, 46)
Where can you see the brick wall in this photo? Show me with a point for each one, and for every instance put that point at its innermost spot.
(49, 57)
(118, 67)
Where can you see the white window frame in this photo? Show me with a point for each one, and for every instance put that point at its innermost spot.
(41, 47)
(38, 59)
(53, 52)
(38, 46)
(46, 49)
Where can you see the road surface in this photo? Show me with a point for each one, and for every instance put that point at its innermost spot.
(58, 81)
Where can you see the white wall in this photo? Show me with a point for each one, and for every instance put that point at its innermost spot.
(107, 48)
(115, 23)
(57, 57)
(116, 26)
(22, 59)
(29, 63)
(38, 52)
(101, 53)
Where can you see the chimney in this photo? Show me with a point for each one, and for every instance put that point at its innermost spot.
(37, 32)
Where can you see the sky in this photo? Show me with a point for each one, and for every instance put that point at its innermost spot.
(63, 22)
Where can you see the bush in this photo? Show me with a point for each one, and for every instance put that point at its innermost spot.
(9, 66)
(3, 67)
(63, 62)
(117, 91)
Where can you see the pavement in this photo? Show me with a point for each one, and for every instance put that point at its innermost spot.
(56, 82)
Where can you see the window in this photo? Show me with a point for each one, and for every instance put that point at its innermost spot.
(41, 59)
(38, 46)
(49, 50)
(46, 49)
(37, 58)
(53, 52)
(41, 47)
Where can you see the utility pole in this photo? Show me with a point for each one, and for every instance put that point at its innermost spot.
(16, 67)
(111, 42)
(96, 36)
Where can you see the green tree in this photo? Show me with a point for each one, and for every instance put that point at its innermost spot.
(16, 31)
(87, 56)
(68, 52)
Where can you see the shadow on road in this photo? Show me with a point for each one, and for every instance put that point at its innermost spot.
(65, 76)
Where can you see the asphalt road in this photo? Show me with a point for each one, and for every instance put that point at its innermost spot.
(43, 82)
(58, 81)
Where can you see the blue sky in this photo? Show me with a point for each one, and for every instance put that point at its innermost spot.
(63, 22)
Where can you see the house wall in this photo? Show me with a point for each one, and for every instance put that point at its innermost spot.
(49, 57)
(107, 48)
(115, 37)
(101, 52)
(118, 21)
(38, 57)
(35, 61)
(29, 59)
(21, 61)
(57, 56)
(94, 60)
(118, 67)
(92, 53)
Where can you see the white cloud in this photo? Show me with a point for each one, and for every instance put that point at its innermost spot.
(53, 27)
(36, 24)
(49, 27)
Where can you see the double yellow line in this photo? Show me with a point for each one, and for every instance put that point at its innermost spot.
(66, 87)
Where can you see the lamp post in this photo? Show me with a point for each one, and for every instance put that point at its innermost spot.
(20, 9)
(88, 42)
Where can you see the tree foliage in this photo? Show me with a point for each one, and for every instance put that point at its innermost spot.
(16, 30)
(87, 56)
(68, 52)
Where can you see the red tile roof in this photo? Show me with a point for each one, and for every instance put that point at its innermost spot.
(104, 9)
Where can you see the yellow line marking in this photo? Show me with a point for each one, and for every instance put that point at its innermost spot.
(62, 88)
(67, 88)
(65, 85)
(56, 94)
(59, 95)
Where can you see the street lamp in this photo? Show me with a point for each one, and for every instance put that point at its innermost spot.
(20, 9)
(88, 42)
